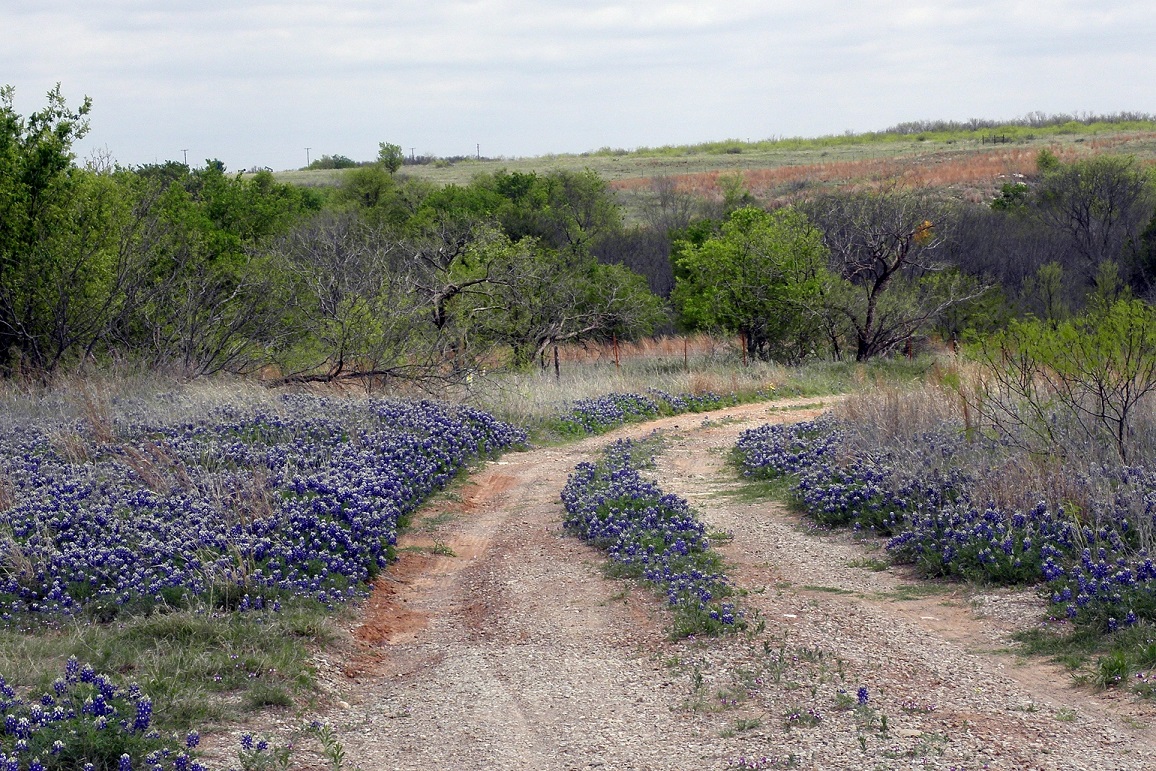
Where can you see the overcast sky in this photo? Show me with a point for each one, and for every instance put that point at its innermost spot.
(254, 84)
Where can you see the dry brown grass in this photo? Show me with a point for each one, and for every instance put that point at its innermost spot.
(13, 559)
(156, 467)
(70, 445)
(1022, 480)
(896, 413)
(247, 496)
(698, 346)
(976, 174)
(96, 407)
(586, 372)
(7, 493)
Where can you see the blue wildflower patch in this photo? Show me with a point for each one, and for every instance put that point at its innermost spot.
(651, 535)
(234, 511)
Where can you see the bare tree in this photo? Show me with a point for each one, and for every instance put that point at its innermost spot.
(885, 247)
(1102, 204)
(355, 304)
(665, 207)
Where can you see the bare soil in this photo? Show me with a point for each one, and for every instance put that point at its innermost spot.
(497, 642)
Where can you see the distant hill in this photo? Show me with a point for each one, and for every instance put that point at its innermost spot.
(971, 158)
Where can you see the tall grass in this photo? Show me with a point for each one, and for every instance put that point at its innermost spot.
(102, 399)
(530, 398)
(1008, 470)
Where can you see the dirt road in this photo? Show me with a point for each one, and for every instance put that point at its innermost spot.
(496, 642)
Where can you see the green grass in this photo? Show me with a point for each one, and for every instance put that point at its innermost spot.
(912, 592)
(827, 589)
(1125, 658)
(434, 521)
(736, 155)
(752, 490)
(200, 669)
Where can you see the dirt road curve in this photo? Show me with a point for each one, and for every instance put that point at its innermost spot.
(516, 652)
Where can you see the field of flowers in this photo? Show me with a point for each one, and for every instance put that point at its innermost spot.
(937, 495)
(651, 535)
(192, 526)
(161, 519)
(237, 510)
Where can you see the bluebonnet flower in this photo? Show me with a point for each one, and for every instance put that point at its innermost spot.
(277, 504)
(651, 534)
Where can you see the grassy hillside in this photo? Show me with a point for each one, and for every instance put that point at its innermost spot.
(970, 162)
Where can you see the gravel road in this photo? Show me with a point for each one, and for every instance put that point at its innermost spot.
(497, 643)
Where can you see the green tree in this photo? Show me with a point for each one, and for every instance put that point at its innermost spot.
(562, 209)
(761, 276)
(534, 297)
(1044, 293)
(332, 162)
(207, 297)
(390, 156)
(1088, 375)
(1013, 196)
(37, 183)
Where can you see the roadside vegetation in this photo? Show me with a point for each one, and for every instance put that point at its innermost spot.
(1030, 463)
(653, 536)
(214, 386)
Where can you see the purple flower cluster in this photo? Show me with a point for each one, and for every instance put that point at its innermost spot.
(651, 535)
(602, 413)
(677, 404)
(86, 718)
(781, 449)
(1095, 563)
(1096, 568)
(870, 491)
(987, 543)
(235, 510)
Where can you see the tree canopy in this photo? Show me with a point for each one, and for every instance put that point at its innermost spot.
(761, 276)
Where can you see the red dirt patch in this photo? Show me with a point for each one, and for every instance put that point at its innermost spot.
(387, 614)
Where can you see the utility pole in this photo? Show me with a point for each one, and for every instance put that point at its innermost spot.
(307, 149)
(186, 152)
(479, 151)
